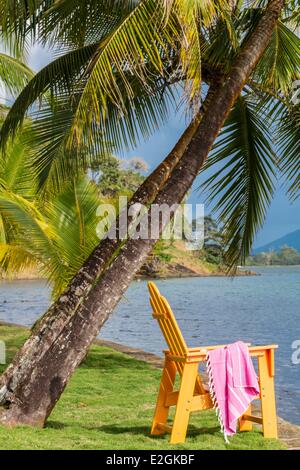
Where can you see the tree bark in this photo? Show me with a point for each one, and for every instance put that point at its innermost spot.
(33, 395)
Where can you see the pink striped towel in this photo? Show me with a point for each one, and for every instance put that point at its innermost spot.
(233, 384)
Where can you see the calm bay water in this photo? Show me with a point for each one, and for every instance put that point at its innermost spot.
(260, 309)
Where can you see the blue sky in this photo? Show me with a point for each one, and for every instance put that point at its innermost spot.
(283, 217)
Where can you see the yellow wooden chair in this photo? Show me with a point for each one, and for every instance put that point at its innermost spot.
(192, 394)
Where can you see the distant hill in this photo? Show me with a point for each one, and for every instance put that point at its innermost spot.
(291, 239)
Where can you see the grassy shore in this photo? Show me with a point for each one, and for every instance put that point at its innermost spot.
(109, 405)
(180, 262)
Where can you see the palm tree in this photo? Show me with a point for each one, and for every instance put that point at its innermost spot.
(124, 81)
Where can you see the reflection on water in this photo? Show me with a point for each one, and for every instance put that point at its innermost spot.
(260, 309)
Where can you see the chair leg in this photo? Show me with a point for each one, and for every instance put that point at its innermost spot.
(166, 386)
(268, 404)
(245, 425)
(183, 407)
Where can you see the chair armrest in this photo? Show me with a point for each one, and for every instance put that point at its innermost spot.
(210, 348)
(263, 347)
(268, 352)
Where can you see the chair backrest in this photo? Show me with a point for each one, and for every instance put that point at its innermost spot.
(170, 329)
(167, 321)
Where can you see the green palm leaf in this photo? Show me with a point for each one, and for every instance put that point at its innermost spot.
(279, 66)
(69, 22)
(292, 14)
(55, 233)
(284, 114)
(57, 237)
(241, 190)
(75, 24)
(14, 74)
(287, 139)
(145, 107)
(115, 84)
(56, 78)
(24, 217)
(54, 160)
(15, 259)
(14, 167)
(194, 19)
(72, 213)
(138, 41)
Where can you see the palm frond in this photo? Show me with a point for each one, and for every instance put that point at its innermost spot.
(75, 24)
(61, 78)
(284, 114)
(57, 78)
(14, 75)
(15, 258)
(14, 17)
(72, 213)
(52, 164)
(66, 22)
(241, 190)
(291, 15)
(193, 18)
(142, 46)
(24, 217)
(55, 161)
(128, 50)
(15, 171)
(30, 239)
(222, 45)
(56, 235)
(206, 10)
(132, 58)
(279, 66)
(287, 139)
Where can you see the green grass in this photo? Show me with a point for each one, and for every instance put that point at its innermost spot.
(109, 405)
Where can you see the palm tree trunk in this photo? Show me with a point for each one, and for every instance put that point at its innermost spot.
(33, 397)
(48, 327)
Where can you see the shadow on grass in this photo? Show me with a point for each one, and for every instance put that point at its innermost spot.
(112, 361)
(145, 430)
